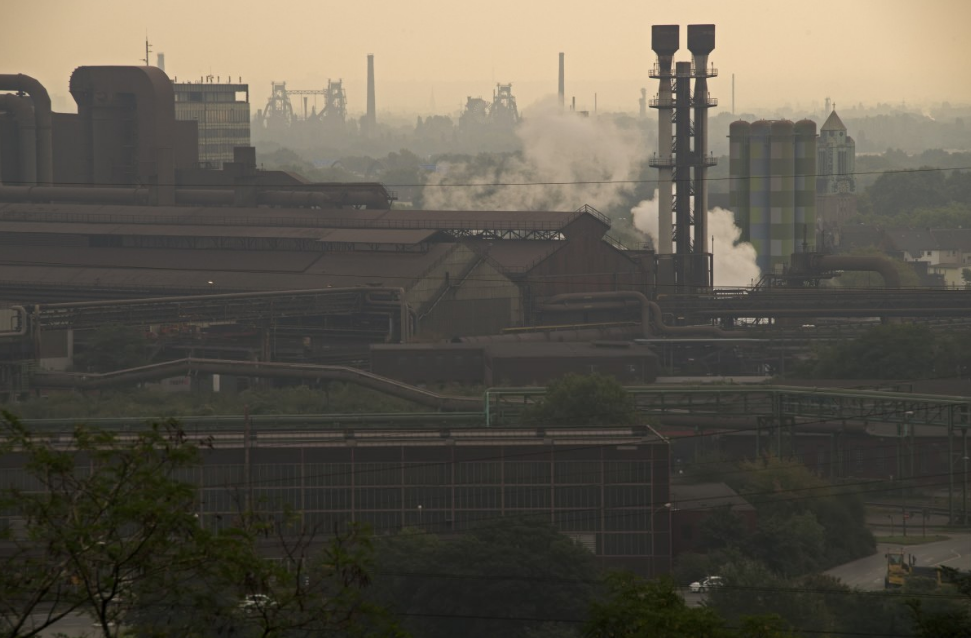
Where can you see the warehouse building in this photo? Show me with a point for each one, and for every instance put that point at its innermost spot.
(606, 487)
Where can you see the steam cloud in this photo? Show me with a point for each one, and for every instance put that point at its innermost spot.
(734, 261)
(563, 156)
(568, 161)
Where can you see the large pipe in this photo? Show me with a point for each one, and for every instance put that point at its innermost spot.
(23, 112)
(42, 121)
(77, 194)
(875, 263)
(648, 308)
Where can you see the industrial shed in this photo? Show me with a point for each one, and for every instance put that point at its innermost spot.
(463, 273)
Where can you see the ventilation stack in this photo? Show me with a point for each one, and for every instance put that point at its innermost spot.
(562, 85)
(664, 42)
(701, 42)
(371, 117)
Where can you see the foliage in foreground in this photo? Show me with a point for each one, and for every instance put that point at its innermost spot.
(101, 524)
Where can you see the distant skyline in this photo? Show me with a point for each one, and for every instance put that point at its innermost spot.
(431, 54)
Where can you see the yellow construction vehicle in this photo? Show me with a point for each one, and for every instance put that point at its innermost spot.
(901, 567)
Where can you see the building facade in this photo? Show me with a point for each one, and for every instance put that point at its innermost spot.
(605, 487)
(223, 116)
(835, 174)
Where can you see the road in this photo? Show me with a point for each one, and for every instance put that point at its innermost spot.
(868, 573)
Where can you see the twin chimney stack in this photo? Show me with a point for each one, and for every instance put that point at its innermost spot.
(682, 157)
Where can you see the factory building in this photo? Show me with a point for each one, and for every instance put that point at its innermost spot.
(221, 112)
(772, 193)
(605, 487)
(835, 174)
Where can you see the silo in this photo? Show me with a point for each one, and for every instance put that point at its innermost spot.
(805, 185)
(759, 192)
(782, 197)
(738, 167)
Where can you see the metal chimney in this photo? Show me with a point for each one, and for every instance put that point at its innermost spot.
(701, 42)
(562, 89)
(371, 115)
(665, 42)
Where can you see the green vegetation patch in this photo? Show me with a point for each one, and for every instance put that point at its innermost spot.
(911, 540)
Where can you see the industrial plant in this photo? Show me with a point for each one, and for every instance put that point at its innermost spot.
(148, 209)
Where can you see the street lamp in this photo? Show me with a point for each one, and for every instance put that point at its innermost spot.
(419, 516)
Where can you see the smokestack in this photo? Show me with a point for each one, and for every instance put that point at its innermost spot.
(161, 61)
(371, 116)
(701, 42)
(665, 42)
(562, 90)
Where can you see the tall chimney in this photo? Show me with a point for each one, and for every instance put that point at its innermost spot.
(665, 42)
(161, 61)
(562, 90)
(701, 42)
(371, 115)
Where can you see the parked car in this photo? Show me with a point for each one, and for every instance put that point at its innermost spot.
(706, 584)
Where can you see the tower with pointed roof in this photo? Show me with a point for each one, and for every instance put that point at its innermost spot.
(835, 178)
(836, 153)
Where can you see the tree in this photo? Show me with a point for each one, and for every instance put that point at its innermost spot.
(946, 618)
(106, 525)
(575, 399)
(512, 576)
(634, 607)
(892, 351)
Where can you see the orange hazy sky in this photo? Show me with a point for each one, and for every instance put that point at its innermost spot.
(431, 54)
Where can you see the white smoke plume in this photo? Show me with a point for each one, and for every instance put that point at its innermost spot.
(567, 161)
(734, 261)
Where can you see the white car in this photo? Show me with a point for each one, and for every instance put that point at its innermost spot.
(707, 583)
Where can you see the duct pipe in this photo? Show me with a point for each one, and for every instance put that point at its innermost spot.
(23, 112)
(77, 194)
(883, 265)
(647, 308)
(807, 264)
(556, 336)
(42, 121)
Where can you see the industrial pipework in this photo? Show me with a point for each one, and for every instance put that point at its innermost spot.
(23, 112)
(44, 149)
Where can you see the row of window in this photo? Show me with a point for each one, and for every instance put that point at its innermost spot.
(213, 114)
(435, 473)
(586, 497)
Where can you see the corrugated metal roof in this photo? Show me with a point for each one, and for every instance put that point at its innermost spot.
(289, 217)
(516, 256)
(174, 259)
(231, 270)
(377, 236)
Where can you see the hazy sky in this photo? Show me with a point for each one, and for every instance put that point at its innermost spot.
(431, 54)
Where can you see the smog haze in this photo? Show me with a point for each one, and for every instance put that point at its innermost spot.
(431, 55)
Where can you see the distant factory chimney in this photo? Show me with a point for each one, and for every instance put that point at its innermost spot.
(371, 118)
(161, 61)
(562, 90)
